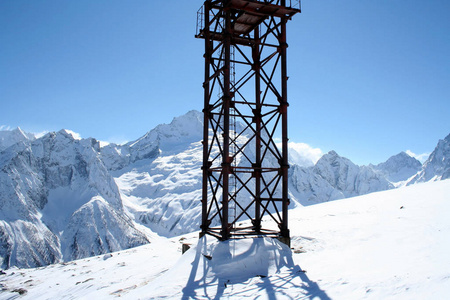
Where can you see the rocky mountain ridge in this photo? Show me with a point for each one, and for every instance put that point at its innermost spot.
(59, 202)
(437, 166)
(334, 177)
(399, 167)
(62, 198)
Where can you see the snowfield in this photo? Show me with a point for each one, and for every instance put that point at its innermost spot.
(393, 244)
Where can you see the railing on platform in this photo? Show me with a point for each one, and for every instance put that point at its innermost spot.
(296, 4)
(200, 22)
(201, 14)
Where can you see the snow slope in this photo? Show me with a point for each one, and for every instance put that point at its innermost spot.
(164, 194)
(386, 245)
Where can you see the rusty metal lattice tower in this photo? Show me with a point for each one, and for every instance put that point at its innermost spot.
(245, 173)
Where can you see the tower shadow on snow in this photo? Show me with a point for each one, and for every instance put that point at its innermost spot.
(218, 267)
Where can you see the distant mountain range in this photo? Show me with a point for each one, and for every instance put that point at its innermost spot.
(63, 198)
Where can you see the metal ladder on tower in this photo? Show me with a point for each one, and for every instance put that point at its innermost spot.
(233, 136)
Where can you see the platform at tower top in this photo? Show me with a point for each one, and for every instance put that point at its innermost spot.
(251, 13)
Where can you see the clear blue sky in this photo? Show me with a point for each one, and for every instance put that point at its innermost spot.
(368, 79)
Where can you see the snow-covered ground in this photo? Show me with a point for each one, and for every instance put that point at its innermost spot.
(387, 245)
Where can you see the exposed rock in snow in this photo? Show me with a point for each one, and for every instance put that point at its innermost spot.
(27, 243)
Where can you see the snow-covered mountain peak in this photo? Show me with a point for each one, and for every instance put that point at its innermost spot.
(11, 137)
(332, 159)
(164, 139)
(183, 130)
(332, 153)
(399, 167)
(403, 155)
(334, 177)
(71, 133)
(59, 201)
(61, 135)
(19, 132)
(437, 166)
(336, 169)
(190, 123)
